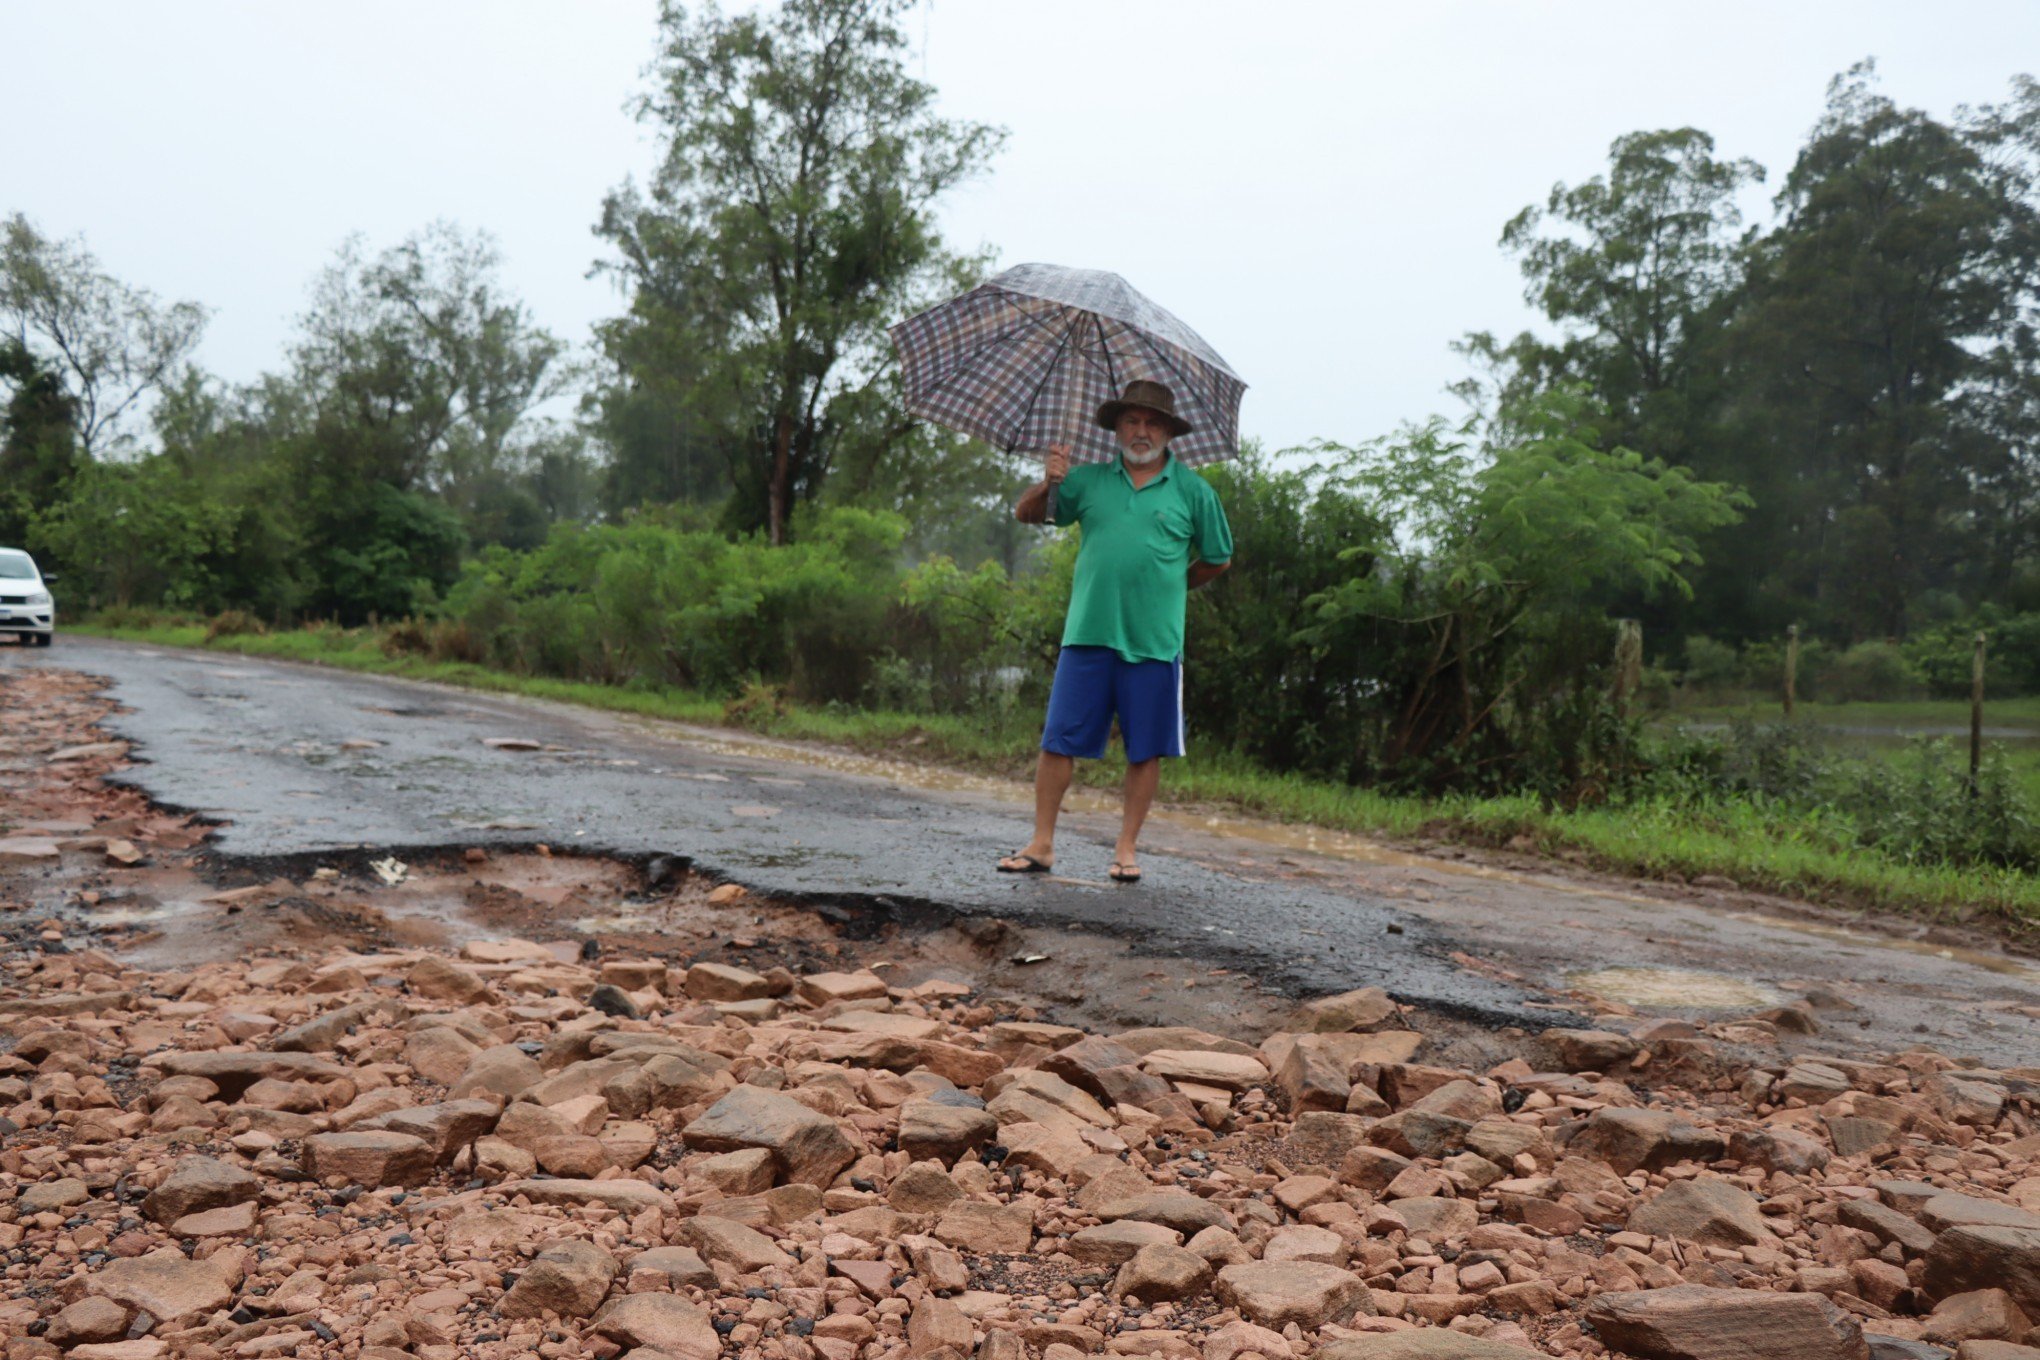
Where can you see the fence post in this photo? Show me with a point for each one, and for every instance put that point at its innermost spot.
(1628, 662)
(1975, 715)
(1791, 669)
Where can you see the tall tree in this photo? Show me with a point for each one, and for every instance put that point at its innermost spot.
(411, 419)
(2002, 408)
(1901, 270)
(112, 345)
(422, 370)
(38, 440)
(790, 218)
(1632, 265)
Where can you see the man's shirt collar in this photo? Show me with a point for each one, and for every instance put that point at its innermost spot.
(1168, 466)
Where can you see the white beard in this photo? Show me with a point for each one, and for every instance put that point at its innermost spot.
(1142, 459)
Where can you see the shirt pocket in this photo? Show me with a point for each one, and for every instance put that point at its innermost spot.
(1173, 523)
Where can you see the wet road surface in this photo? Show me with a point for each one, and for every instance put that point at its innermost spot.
(300, 761)
(281, 754)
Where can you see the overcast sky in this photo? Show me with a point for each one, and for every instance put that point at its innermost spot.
(1316, 187)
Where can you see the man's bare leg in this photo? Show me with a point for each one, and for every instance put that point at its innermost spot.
(1051, 781)
(1141, 782)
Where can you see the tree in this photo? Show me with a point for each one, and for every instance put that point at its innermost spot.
(956, 494)
(410, 419)
(1633, 266)
(790, 218)
(2002, 406)
(112, 345)
(38, 439)
(233, 447)
(134, 533)
(1866, 366)
(1902, 270)
(1482, 589)
(421, 373)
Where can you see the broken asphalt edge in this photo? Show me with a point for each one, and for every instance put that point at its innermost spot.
(860, 914)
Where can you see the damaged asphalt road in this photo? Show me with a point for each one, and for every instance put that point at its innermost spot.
(296, 760)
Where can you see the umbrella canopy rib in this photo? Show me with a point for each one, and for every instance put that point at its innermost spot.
(1026, 319)
(1047, 377)
(1190, 380)
(1105, 347)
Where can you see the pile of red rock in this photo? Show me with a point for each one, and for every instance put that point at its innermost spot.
(516, 1151)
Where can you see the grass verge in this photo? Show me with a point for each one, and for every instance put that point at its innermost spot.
(1890, 725)
(1796, 855)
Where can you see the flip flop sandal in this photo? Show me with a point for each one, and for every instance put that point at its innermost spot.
(1117, 873)
(1028, 865)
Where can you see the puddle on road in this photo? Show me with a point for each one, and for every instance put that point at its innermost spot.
(1975, 958)
(1674, 987)
(138, 913)
(1332, 844)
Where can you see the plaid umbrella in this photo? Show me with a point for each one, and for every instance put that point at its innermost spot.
(1025, 360)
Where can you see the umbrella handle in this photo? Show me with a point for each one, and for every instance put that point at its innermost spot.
(1054, 483)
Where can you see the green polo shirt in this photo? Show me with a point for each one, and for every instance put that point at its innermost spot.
(1133, 568)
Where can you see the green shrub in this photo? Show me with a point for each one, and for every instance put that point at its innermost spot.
(1251, 679)
(646, 603)
(407, 637)
(1710, 664)
(233, 623)
(1869, 672)
(1778, 762)
(1479, 601)
(1917, 808)
(958, 641)
(1944, 655)
(756, 706)
(1921, 809)
(1654, 689)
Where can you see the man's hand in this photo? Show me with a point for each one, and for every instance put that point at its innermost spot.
(1033, 506)
(1204, 573)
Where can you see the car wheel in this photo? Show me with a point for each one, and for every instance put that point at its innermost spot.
(44, 639)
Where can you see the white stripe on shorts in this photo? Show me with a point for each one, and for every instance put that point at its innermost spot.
(1182, 731)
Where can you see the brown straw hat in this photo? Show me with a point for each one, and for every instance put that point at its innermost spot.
(1150, 396)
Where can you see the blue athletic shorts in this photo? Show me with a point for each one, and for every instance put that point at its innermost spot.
(1092, 685)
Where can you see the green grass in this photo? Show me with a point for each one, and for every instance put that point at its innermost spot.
(1927, 714)
(1806, 856)
(2014, 725)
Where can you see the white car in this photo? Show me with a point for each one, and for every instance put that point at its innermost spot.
(26, 609)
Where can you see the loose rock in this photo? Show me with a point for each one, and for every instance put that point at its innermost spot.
(1690, 1322)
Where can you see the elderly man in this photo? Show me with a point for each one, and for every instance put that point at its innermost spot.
(1153, 531)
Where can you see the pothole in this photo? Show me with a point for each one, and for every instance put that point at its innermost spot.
(1676, 988)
